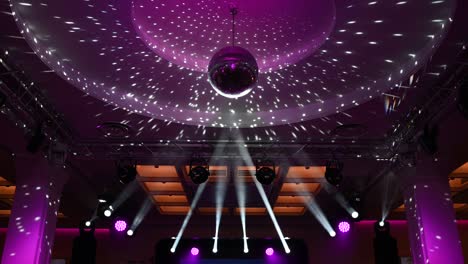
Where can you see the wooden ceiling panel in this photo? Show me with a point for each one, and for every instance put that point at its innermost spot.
(174, 210)
(295, 188)
(301, 172)
(164, 187)
(212, 210)
(151, 171)
(463, 169)
(292, 199)
(170, 199)
(289, 210)
(7, 191)
(253, 211)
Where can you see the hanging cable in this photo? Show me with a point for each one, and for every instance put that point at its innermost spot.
(234, 10)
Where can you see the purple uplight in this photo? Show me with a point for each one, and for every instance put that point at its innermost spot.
(194, 251)
(120, 225)
(344, 227)
(269, 251)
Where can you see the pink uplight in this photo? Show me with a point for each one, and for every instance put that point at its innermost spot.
(120, 225)
(344, 227)
(269, 251)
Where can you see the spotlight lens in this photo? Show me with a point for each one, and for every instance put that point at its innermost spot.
(120, 225)
(130, 232)
(332, 233)
(194, 251)
(381, 223)
(269, 251)
(88, 223)
(344, 227)
(215, 250)
(355, 214)
(107, 213)
(246, 250)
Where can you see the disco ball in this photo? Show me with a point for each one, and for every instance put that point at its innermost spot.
(233, 72)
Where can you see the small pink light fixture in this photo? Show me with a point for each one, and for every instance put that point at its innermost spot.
(120, 225)
(194, 251)
(344, 227)
(269, 251)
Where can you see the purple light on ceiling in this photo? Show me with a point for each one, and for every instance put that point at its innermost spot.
(290, 32)
(344, 227)
(269, 251)
(194, 251)
(315, 58)
(120, 225)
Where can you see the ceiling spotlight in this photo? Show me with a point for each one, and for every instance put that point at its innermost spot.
(382, 227)
(265, 172)
(107, 212)
(126, 173)
(129, 232)
(333, 172)
(233, 70)
(199, 170)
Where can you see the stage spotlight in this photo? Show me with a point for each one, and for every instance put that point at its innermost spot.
(107, 212)
(194, 251)
(332, 233)
(344, 227)
(355, 214)
(126, 173)
(269, 251)
(120, 225)
(333, 172)
(130, 232)
(265, 172)
(246, 250)
(88, 223)
(105, 209)
(199, 170)
(382, 227)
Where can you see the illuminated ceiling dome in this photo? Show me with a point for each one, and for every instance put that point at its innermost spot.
(315, 58)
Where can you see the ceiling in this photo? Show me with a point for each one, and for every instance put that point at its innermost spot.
(127, 80)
